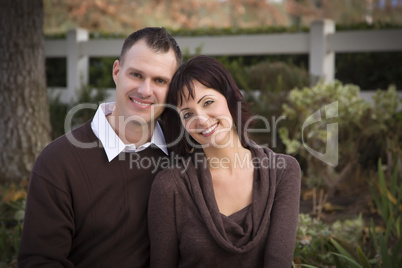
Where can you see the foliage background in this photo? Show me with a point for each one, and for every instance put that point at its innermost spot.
(329, 228)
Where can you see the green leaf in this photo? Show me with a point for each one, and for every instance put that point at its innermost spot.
(386, 260)
(344, 254)
(393, 181)
(351, 261)
(340, 248)
(398, 224)
(338, 264)
(396, 253)
(19, 215)
(363, 258)
(372, 233)
(308, 266)
(377, 200)
(383, 191)
(390, 224)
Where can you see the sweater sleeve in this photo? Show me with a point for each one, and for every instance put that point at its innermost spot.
(284, 216)
(162, 223)
(48, 226)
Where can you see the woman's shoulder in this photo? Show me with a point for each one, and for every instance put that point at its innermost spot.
(286, 161)
(280, 162)
(169, 179)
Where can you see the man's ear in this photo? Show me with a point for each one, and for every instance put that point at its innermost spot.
(116, 70)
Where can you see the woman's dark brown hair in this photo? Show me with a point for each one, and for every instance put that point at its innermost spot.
(212, 74)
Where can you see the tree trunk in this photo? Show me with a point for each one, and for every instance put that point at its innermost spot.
(24, 122)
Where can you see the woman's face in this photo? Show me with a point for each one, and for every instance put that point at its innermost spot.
(207, 117)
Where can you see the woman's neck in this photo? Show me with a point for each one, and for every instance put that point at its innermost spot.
(231, 157)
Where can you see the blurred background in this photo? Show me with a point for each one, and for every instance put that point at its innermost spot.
(124, 16)
(117, 19)
(351, 212)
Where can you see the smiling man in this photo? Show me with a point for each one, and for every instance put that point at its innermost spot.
(87, 204)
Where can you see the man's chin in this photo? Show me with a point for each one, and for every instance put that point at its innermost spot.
(146, 122)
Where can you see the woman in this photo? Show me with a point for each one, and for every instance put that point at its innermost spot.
(229, 202)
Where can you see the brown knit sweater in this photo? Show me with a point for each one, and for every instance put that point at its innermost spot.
(83, 211)
(187, 230)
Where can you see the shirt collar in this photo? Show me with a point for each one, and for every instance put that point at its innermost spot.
(111, 142)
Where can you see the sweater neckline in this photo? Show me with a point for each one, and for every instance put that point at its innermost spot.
(231, 236)
(234, 214)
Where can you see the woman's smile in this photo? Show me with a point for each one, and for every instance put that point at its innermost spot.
(209, 131)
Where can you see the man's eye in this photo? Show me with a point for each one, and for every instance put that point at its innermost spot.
(136, 75)
(160, 81)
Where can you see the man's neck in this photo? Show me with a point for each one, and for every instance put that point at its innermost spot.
(132, 132)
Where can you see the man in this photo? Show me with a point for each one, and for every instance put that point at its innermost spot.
(87, 201)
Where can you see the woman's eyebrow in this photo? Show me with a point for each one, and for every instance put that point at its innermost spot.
(197, 101)
(202, 98)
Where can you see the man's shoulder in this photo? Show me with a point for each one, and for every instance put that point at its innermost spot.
(79, 137)
(62, 151)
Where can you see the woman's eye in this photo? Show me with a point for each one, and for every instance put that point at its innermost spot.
(208, 102)
(186, 115)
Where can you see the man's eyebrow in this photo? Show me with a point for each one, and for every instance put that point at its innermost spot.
(167, 79)
(133, 69)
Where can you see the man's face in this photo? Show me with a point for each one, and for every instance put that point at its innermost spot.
(142, 82)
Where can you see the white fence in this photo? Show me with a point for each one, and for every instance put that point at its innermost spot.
(321, 44)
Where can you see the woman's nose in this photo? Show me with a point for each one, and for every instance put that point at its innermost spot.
(201, 121)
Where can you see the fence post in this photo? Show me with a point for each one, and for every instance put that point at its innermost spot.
(77, 64)
(321, 58)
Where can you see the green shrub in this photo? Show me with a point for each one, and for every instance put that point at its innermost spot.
(385, 244)
(277, 77)
(348, 121)
(56, 69)
(59, 110)
(368, 76)
(12, 203)
(12, 209)
(388, 120)
(9, 245)
(239, 69)
(269, 84)
(100, 72)
(387, 195)
(313, 242)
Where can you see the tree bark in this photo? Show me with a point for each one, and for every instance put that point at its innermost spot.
(24, 123)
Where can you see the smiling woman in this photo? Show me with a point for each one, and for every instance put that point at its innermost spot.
(206, 117)
(235, 204)
(216, 85)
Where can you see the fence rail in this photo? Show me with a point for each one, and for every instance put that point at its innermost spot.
(321, 44)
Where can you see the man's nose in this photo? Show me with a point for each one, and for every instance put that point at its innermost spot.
(145, 89)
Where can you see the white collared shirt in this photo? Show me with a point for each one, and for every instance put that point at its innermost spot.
(110, 140)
